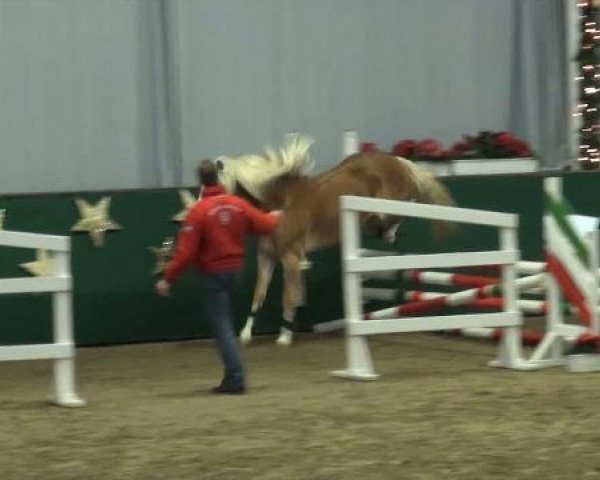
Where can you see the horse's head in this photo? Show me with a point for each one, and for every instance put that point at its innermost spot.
(261, 179)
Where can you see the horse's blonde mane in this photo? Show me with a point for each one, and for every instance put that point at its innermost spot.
(254, 171)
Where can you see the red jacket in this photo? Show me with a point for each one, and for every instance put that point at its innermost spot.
(212, 235)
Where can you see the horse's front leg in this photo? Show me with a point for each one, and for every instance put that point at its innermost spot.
(391, 230)
(292, 295)
(384, 226)
(265, 264)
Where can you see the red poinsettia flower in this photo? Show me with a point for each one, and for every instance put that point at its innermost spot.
(368, 147)
(429, 147)
(512, 143)
(404, 148)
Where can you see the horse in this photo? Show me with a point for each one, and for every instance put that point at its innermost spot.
(309, 205)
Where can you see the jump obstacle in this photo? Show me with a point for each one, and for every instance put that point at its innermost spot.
(359, 363)
(350, 145)
(62, 350)
(572, 267)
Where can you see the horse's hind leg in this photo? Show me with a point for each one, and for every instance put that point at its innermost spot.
(266, 264)
(292, 295)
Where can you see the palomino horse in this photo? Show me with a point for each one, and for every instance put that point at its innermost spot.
(310, 208)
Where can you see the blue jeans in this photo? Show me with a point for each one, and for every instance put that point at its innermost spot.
(218, 289)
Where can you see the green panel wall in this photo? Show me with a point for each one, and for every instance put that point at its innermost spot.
(113, 285)
(513, 194)
(583, 192)
(114, 300)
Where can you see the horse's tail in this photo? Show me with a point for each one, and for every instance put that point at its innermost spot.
(428, 189)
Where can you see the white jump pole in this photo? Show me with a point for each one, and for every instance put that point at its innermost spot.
(64, 368)
(350, 143)
(360, 364)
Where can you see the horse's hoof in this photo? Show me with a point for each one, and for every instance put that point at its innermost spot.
(284, 341)
(245, 337)
(305, 265)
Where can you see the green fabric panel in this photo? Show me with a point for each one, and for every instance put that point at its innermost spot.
(521, 195)
(113, 297)
(113, 300)
(582, 189)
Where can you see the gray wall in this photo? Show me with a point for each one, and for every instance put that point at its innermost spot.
(72, 95)
(110, 94)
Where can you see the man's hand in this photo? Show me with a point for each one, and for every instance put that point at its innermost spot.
(163, 288)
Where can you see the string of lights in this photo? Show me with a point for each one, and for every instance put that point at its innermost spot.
(588, 82)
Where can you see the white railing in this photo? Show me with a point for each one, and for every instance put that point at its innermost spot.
(359, 363)
(62, 350)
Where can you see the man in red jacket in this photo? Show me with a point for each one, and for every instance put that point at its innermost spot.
(212, 237)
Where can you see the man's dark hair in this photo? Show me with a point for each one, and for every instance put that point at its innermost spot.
(208, 173)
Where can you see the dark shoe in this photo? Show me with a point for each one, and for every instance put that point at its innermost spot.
(230, 389)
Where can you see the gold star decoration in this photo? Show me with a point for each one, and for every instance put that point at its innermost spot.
(2, 215)
(43, 266)
(188, 201)
(163, 255)
(95, 220)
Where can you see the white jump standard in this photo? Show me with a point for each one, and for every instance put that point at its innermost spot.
(62, 351)
(359, 363)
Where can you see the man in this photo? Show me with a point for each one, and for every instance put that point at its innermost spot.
(212, 237)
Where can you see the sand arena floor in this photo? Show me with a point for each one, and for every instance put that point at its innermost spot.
(438, 412)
